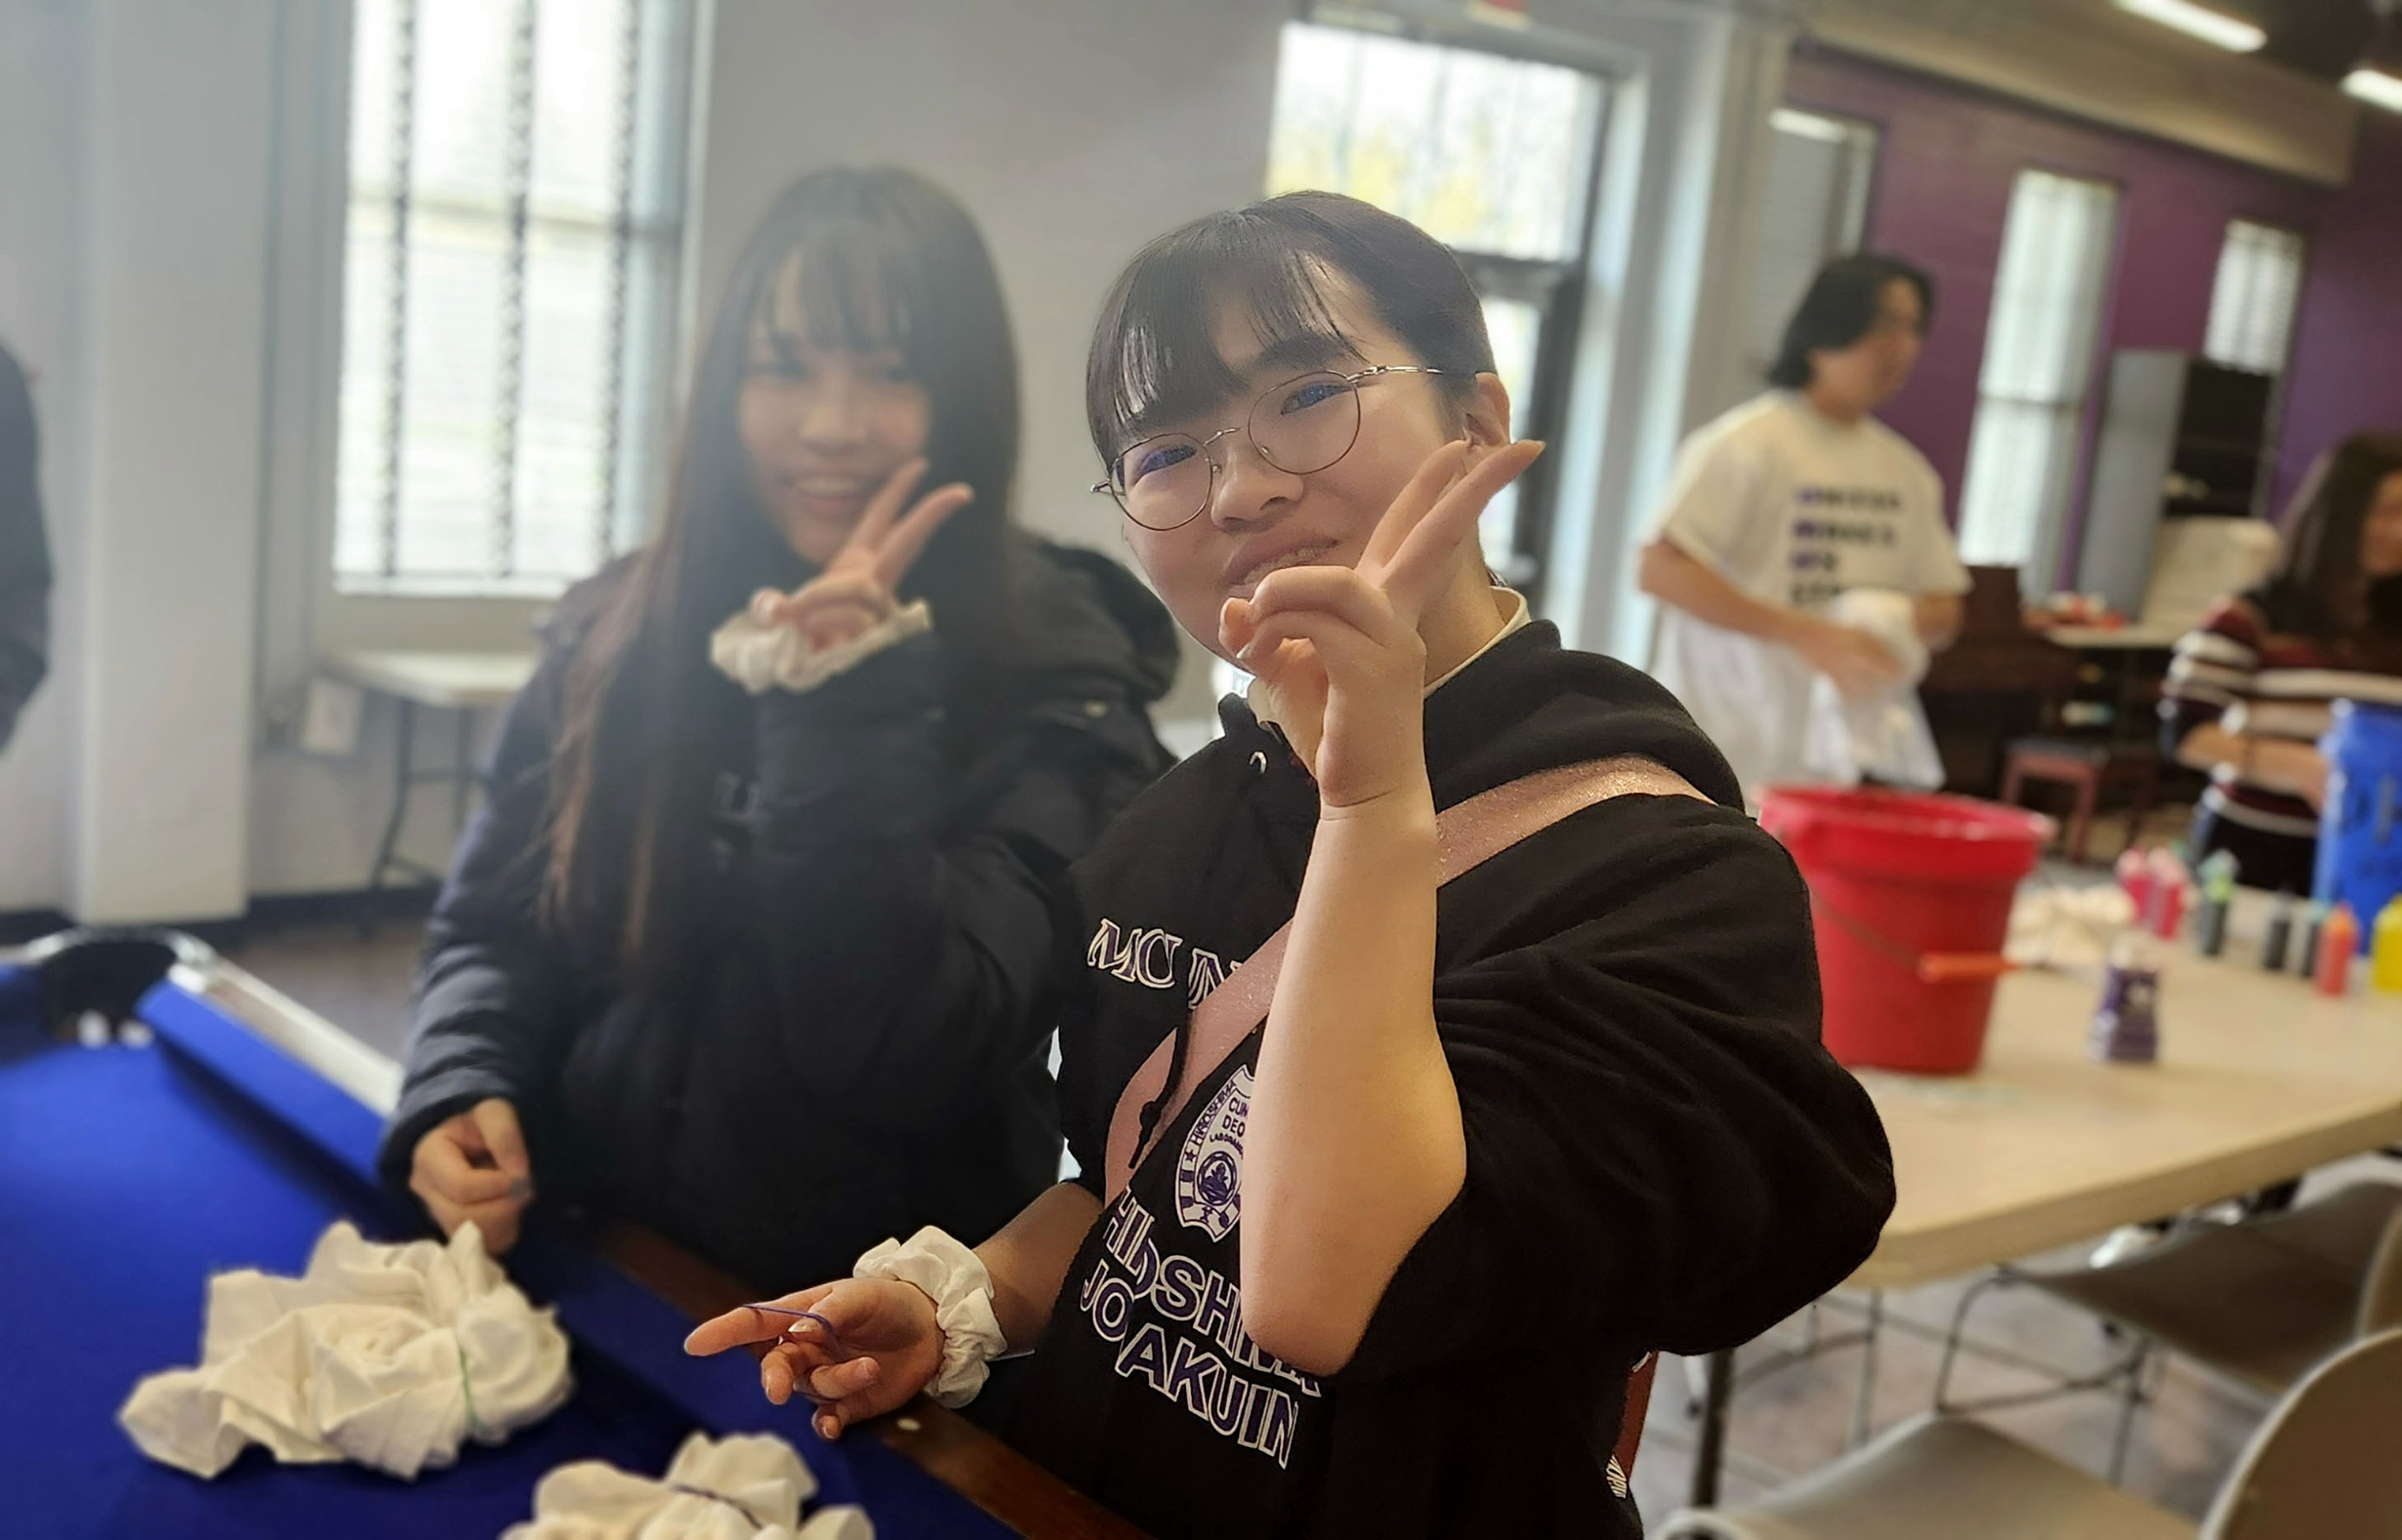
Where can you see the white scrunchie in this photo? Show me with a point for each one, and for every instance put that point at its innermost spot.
(761, 658)
(952, 1276)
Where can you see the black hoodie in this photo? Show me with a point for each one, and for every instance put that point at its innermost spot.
(1659, 1154)
(863, 1049)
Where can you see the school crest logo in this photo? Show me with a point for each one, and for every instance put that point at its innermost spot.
(1209, 1168)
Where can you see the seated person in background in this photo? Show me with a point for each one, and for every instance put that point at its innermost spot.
(1381, 1262)
(767, 965)
(2248, 693)
(1787, 502)
(24, 551)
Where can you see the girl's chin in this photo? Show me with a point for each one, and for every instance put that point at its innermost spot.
(818, 536)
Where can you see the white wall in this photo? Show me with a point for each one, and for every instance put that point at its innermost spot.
(141, 260)
(42, 48)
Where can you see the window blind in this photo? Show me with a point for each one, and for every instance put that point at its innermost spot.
(2039, 342)
(2254, 298)
(512, 233)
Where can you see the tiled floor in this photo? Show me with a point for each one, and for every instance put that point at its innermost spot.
(1785, 1423)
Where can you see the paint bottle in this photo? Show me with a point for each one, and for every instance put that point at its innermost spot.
(2308, 962)
(2281, 932)
(2338, 938)
(2386, 951)
(2217, 896)
(2166, 912)
(2126, 1025)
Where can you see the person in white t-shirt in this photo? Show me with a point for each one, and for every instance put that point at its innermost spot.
(1786, 504)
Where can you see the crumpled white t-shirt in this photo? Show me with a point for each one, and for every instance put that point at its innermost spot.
(1885, 735)
(742, 1487)
(388, 1356)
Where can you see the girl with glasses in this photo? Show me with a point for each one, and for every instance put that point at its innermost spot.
(754, 940)
(1518, 1079)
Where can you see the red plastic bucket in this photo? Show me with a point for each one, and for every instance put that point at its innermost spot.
(1910, 899)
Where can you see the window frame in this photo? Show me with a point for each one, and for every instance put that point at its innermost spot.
(1863, 139)
(1557, 288)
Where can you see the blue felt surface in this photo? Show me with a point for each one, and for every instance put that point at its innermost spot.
(127, 1175)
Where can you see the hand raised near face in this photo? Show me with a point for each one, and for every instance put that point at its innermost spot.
(857, 590)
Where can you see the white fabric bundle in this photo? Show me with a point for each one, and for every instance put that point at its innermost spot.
(954, 1277)
(388, 1356)
(1885, 735)
(742, 1487)
(761, 658)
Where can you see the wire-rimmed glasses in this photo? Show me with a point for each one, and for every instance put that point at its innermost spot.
(1303, 424)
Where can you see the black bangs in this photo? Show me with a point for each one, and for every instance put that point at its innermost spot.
(852, 284)
(1155, 355)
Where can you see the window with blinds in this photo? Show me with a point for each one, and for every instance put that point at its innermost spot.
(1493, 156)
(2040, 341)
(513, 231)
(2254, 298)
(1814, 208)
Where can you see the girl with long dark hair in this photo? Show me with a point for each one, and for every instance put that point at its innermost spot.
(754, 939)
(2249, 689)
(1518, 1077)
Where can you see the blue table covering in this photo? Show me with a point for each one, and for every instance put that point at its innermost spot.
(129, 1175)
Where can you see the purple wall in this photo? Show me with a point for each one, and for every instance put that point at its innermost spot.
(1949, 156)
(2347, 372)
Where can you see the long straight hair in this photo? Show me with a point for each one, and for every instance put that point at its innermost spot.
(882, 258)
(2317, 587)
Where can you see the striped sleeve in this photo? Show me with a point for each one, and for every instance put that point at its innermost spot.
(2212, 669)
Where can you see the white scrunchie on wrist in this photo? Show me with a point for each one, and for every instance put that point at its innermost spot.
(955, 1279)
(761, 658)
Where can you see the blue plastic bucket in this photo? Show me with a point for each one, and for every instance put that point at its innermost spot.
(2360, 828)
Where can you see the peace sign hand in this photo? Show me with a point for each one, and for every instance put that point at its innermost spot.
(855, 593)
(1340, 646)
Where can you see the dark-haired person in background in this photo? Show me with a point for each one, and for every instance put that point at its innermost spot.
(753, 942)
(24, 550)
(1787, 502)
(2248, 691)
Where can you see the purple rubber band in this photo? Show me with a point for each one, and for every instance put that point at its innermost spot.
(834, 1338)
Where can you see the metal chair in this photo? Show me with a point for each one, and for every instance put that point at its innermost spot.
(2259, 1301)
(2323, 1463)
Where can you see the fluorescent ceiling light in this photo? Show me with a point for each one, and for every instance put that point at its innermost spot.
(2375, 87)
(2214, 27)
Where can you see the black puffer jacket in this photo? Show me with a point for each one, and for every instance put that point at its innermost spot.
(863, 1051)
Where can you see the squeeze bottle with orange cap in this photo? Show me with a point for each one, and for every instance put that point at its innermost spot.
(2338, 938)
(2386, 951)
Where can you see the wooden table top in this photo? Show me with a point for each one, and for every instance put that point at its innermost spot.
(2259, 1079)
(451, 680)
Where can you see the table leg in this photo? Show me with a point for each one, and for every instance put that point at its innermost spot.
(400, 782)
(1711, 1451)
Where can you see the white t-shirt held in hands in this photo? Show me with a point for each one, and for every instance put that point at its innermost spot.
(1792, 508)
